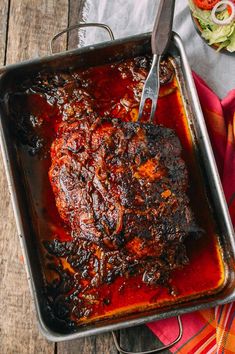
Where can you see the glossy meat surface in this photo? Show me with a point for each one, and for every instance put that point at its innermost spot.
(114, 219)
(121, 188)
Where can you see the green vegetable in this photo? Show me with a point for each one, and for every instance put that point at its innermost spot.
(231, 45)
(222, 36)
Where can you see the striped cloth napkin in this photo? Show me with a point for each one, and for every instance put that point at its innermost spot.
(213, 330)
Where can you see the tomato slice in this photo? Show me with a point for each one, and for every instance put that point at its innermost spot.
(229, 8)
(205, 4)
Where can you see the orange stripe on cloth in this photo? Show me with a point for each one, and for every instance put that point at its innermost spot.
(226, 329)
(199, 343)
(218, 135)
(228, 179)
(208, 346)
(228, 347)
(167, 330)
(215, 124)
(211, 331)
(208, 315)
(206, 334)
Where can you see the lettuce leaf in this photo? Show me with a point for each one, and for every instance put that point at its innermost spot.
(218, 34)
(231, 45)
(222, 36)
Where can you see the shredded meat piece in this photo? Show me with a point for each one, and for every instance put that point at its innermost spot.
(121, 188)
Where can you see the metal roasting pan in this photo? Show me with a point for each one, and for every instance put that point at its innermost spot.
(99, 54)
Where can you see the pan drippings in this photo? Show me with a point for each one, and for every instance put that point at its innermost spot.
(119, 205)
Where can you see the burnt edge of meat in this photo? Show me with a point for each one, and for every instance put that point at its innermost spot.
(59, 91)
(138, 248)
(121, 188)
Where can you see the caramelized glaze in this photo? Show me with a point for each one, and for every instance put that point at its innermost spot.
(112, 89)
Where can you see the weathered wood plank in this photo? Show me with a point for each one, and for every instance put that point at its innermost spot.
(90, 345)
(75, 16)
(3, 29)
(139, 338)
(102, 343)
(31, 23)
(30, 27)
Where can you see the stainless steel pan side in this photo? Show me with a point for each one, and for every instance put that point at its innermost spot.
(98, 55)
(205, 146)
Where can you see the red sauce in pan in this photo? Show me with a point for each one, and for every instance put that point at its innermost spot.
(204, 274)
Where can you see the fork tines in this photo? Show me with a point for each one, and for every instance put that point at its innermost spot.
(151, 88)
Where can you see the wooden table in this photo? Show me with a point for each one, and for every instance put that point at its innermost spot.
(26, 27)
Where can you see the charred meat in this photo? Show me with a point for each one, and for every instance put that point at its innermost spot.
(121, 189)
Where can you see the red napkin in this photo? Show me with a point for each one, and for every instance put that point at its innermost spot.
(212, 330)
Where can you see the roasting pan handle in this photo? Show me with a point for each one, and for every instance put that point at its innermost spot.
(158, 350)
(80, 25)
(116, 342)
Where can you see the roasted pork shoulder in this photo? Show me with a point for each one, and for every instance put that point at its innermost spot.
(121, 189)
